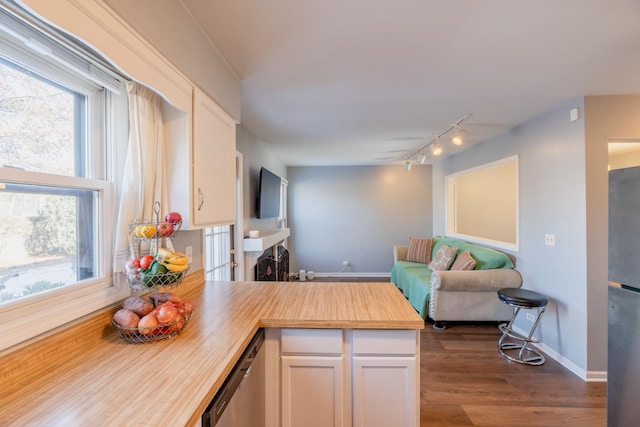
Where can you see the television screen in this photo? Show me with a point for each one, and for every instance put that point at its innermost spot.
(268, 205)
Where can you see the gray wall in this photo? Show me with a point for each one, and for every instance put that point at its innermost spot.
(255, 155)
(356, 214)
(552, 200)
(563, 191)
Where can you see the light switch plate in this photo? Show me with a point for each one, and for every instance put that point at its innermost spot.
(574, 114)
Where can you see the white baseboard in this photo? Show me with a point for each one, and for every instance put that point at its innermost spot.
(589, 376)
(386, 274)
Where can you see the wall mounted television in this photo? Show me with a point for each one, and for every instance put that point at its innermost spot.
(268, 203)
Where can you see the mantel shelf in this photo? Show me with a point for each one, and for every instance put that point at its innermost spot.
(266, 240)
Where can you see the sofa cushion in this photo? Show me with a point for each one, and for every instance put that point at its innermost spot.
(443, 258)
(464, 261)
(420, 250)
(486, 258)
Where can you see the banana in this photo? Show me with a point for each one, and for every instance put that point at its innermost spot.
(175, 268)
(179, 259)
(172, 257)
(175, 262)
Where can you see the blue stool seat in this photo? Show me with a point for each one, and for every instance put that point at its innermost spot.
(512, 340)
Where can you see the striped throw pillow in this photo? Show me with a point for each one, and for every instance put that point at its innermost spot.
(464, 262)
(419, 250)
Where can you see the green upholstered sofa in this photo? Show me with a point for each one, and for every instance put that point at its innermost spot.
(446, 296)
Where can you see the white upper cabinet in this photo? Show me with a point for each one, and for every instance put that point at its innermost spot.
(201, 169)
(214, 163)
(200, 149)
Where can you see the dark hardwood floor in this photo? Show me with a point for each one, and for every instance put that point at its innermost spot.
(465, 382)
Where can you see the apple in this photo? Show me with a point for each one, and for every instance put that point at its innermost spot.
(146, 261)
(165, 229)
(173, 217)
(134, 263)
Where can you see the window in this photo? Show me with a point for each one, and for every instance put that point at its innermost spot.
(218, 253)
(482, 204)
(57, 127)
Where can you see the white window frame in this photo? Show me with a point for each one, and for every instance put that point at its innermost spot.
(218, 246)
(452, 210)
(26, 318)
(283, 218)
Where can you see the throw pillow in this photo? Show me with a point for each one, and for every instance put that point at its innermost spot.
(419, 250)
(443, 259)
(464, 262)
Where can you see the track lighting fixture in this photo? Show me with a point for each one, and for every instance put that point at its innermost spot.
(458, 137)
(434, 145)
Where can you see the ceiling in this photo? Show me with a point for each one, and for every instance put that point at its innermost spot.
(353, 82)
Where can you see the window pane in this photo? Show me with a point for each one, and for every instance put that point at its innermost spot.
(218, 253)
(46, 238)
(40, 123)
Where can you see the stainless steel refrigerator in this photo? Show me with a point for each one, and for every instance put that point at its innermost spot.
(623, 377)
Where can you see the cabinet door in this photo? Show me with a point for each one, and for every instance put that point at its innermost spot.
(312, 391)
(214, 163)
(385, 391)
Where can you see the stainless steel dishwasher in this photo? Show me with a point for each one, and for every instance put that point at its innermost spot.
(240, 400)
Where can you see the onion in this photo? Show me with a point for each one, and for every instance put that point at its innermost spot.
(188, 305)
(178, 323)
(166, 313)
(148, 324)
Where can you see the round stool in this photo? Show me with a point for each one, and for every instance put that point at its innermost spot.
(528, 300)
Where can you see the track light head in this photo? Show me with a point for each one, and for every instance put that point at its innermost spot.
(458, 137)
(422, 158)
(436, 149)
(407, 165)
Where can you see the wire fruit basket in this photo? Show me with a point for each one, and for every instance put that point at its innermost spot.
(141, 280)
(160, 332)
(159, 267)
(145, 230)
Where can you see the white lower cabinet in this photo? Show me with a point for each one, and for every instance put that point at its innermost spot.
(386, 378)
(312, 393)
(342, 377)
(384, 391)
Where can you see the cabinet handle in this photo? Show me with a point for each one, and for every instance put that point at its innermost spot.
(201, 194)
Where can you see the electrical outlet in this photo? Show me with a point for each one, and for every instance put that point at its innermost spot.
(188, 251)
(550, 239)
(530, 317)
(346, 263)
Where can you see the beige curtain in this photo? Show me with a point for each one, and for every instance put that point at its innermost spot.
(144, 181)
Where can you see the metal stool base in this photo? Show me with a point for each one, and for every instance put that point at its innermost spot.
(535, 357)
(525, 354)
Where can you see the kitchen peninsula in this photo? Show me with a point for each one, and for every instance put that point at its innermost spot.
(85, 374)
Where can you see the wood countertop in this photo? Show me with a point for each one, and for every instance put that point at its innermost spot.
(86, 374)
